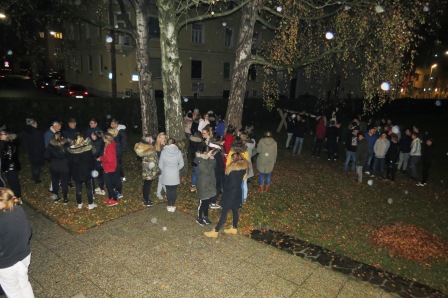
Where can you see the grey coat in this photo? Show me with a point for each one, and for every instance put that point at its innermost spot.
(170, 162)
(206, 184)
(267, 154)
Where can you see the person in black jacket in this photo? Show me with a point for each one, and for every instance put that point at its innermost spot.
(97, 142)
(33, 141)
(391, 158)
(332, 137)
(56, 153)
(15, 253)
(10, 160)
(405, 147)
(81, 167)
(231, 197)
(299, 134)
(427, 154)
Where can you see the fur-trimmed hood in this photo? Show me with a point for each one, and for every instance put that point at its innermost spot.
(54, 142)
(143, 149)
(195, 139)
(237, 148)
(238, 166)
(83, 147)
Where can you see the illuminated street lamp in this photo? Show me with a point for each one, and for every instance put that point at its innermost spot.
(2, 15)
(430, 73)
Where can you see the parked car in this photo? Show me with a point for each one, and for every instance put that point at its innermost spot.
(57, 86)
(4, 72)
(42, 82)
(75, 91)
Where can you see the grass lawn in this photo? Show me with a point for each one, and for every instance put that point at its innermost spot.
(310, 199)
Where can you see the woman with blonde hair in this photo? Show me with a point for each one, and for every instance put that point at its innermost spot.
(15, 254)
(160, 143)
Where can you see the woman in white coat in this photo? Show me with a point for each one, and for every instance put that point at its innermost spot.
(170, 162)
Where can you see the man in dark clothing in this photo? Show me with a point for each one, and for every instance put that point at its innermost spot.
(362, 153)
(427, 154)
(405, 147)
(71, 131)
(299, 134)
(332, 140)
(391, 158)
(350, 146)
(33, 141)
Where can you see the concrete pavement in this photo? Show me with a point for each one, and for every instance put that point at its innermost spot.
(153, 253)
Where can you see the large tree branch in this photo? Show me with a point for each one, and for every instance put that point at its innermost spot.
(126, 18)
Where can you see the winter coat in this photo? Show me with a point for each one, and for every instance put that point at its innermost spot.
(320, 129)
(70, 133)
(243, 152)
(58, 157)
(416, 148)
(362, 152)
(300, 129)
(371, 139)
(150, 161)
(405, 144)
(121, 140)
(251, 150)
(109, 158)
(332, 134)
(206, 184)
(290, 124)
(393, 153)
(170, 162)
(427, 155)
(33, 141)
(10, 154)
(219, 170)
(196, 144)
(81, 161)
(267, 155)
(98, 148)
(231, 196)
(48, 135)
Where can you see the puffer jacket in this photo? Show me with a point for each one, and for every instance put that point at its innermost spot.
(231, 195)
(81, 161)
(267, 154)
(170, 162)
(206, 184)
(150, 160)
(10, 154)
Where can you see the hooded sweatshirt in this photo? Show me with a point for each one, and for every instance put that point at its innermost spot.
(267, 149)
(170, 162)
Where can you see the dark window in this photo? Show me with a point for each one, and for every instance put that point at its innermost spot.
(226, 71)
(252, 76)
(196, 69)
(155, 65)
(154, 28)
(225, 94)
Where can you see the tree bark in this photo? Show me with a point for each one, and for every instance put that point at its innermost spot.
(243, 55)
(147, 100)
(171, 65)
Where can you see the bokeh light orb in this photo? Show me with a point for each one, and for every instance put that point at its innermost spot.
(385, 86)
(379, 9)
(370, 182)
(94, 173)
(390, 201)
(438, 103)
(396, 129)
(426, 8)
(329, 35)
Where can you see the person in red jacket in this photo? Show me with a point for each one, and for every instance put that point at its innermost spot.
(109, 162)
(321, 128)
(228, 140)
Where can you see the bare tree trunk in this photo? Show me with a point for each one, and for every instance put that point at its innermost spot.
(147, 100)
(171, 65)
(113, 58)
(243, 54)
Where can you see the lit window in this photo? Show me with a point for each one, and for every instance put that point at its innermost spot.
(41, 34)
(134, 77)
(57, 35)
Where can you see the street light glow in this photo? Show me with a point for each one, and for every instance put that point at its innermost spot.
(2, 15)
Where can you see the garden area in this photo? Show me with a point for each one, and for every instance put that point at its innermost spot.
(400, 228)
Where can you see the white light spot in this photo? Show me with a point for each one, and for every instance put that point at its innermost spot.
(329, 35)
(108, 116)
(279, 8)
(438, 103)
(9, 52)
(109, 39)
(164, 228)
(370, 182)
(317, 214)
(153, 220)
(70, 107)
(185, 99)
(379, 9)
(266, 154)
(385, 86)
(390, 201)
(425, 8)
(94, 173)
(406, 192)
(135, 126)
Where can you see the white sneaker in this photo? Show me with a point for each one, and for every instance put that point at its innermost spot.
(168, 208)
(92, 206)
(100, 192)
(80, 206)
(97, 189)
(173, 208)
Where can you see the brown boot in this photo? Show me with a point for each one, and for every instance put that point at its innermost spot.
(267, 187)
(211, 234)
(261, 188)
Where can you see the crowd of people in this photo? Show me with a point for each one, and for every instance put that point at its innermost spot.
(377, 148)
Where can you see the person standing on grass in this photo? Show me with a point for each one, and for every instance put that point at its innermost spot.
(122, 143)
(405, 147)
(15, 253)
(231, 197)
(427, 155)
(391, 158)
(150, 166)
(380, 150)
(228, 141)
(299, 134)
(98, 145)
(93, 127)
(160, 143)
(10, 165)
(362, 153)
(33, 141)
(332, 138)
(82, 164)
(109, 162)
(371, 136)
(219, 171)
(195, 144)
(57, 154)
(415, 153)
(206, 183)
(250, 147)
(291, 122)
(267, 156)
(321, 132)
(55, 127)
(350, 148)
(238, 145)
(170, 163)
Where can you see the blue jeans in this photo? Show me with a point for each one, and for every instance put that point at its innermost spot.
(349, 155)
(262, 180)
(378, 166)
(194, 179)
(368, 165)
(244, 190)
(298, 146)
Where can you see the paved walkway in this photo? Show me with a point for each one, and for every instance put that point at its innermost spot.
(153, 253)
